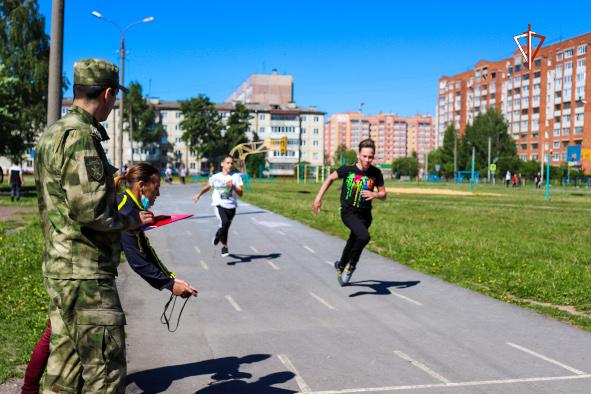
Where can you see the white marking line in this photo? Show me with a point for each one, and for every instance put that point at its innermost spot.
(309, 249)
(272, 264)
(204, 265)
(233, 303)
(197, 249)
(304, 388)
(458, 384)
(406, 298)
(254, 249)
(421, 366)
(280, 232)
(573, 370)
(234, 232)
(320, 300)
(329, 263)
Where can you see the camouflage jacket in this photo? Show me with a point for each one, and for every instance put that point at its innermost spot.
(79, 217)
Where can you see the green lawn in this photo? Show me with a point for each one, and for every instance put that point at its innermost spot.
(513, 245)
(23, 304)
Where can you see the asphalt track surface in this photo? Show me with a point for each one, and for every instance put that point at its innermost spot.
(271, 318)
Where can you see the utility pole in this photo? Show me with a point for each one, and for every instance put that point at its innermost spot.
(488, 173)
(542, 163)
(56, 49)
(455, 156)
(427, 165)
(472, 171)
(131, 133)
(121, 104)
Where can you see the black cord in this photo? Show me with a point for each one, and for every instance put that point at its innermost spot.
(166, 319)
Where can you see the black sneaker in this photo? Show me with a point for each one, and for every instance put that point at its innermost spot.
(225, 252)
(216, 240)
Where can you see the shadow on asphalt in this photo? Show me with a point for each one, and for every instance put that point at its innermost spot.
(225, 372)
(262, 386)
(380, 287)
(247, 258)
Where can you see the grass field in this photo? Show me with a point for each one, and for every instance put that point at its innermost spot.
(23, 306)
(509, 244)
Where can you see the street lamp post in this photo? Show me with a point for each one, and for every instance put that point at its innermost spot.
(119, 138)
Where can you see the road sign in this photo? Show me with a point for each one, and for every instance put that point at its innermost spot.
(493, 167)
(284, 145)
(586, 155)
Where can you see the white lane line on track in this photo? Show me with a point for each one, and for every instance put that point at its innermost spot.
(421, 366)
(254, 249)
(272, 264)
(406, 298)
(573, 370)
(329, 263)
(280, 232)
(309, 249)
(204, 265)
(234, 232)
(304, 388)
(197, 249)
(322, 301)
(458, 384)
(233, 303)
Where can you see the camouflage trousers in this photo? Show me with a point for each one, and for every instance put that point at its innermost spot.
(87, 350)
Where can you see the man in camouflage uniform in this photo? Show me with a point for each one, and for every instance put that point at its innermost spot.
(81, 227)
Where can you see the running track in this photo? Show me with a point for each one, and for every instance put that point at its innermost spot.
(272, 319)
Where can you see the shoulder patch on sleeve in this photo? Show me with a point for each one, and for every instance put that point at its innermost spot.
(94, 167)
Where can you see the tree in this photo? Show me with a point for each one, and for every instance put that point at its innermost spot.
(503, 150)
(405, 166)
(530, 168)
(201, 124)
(8, 109)
(24, 51)
(343, 155)
(236, 128)
(143, 117)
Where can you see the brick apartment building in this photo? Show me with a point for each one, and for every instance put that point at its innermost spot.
(546, 107)
(395, 136)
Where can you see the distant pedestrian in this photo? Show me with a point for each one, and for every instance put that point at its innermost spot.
(507, 178)
(168, 174)
(538, 180)
(515, 181)
(225, 188)
(357, 193)
(182, 174)
(15, 180)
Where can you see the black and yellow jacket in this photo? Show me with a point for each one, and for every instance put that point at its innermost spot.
(136, 246)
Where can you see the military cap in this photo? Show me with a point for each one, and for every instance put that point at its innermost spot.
(97, 72)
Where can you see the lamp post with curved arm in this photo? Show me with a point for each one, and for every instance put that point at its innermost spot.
(119, 138)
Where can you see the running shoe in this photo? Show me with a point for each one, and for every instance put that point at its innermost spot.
(216, 240)
(225, 252)
(337, 266)
(346, 275)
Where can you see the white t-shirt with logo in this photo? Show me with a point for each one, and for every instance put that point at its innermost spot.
(223, 195)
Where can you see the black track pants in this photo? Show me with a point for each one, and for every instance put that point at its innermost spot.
(225, 216)
(358, 221)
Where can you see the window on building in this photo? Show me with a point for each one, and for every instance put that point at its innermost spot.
(581, 63)
(316, 119)
(315, 143)
(262, 116)
(316, 131)
(559, 56)
(582, 49)
(164, 114)
(568, 53)
(261, 130)
(537, 63)
(303, 130)
(568, 65)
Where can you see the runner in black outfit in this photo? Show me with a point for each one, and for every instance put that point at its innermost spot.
(357, 192)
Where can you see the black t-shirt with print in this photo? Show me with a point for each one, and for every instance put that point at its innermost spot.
(356, 180)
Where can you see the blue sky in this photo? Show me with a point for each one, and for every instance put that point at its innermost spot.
(386, 54)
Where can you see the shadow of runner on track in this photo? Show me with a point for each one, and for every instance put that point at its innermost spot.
(247, 258)
(262, 386)
(380, 287)
(158, 380)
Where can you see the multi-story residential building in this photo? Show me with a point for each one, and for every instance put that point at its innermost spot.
(546, 107)
(394, 136)
(264, 89)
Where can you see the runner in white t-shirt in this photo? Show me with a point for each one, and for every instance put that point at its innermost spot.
(225, 188)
